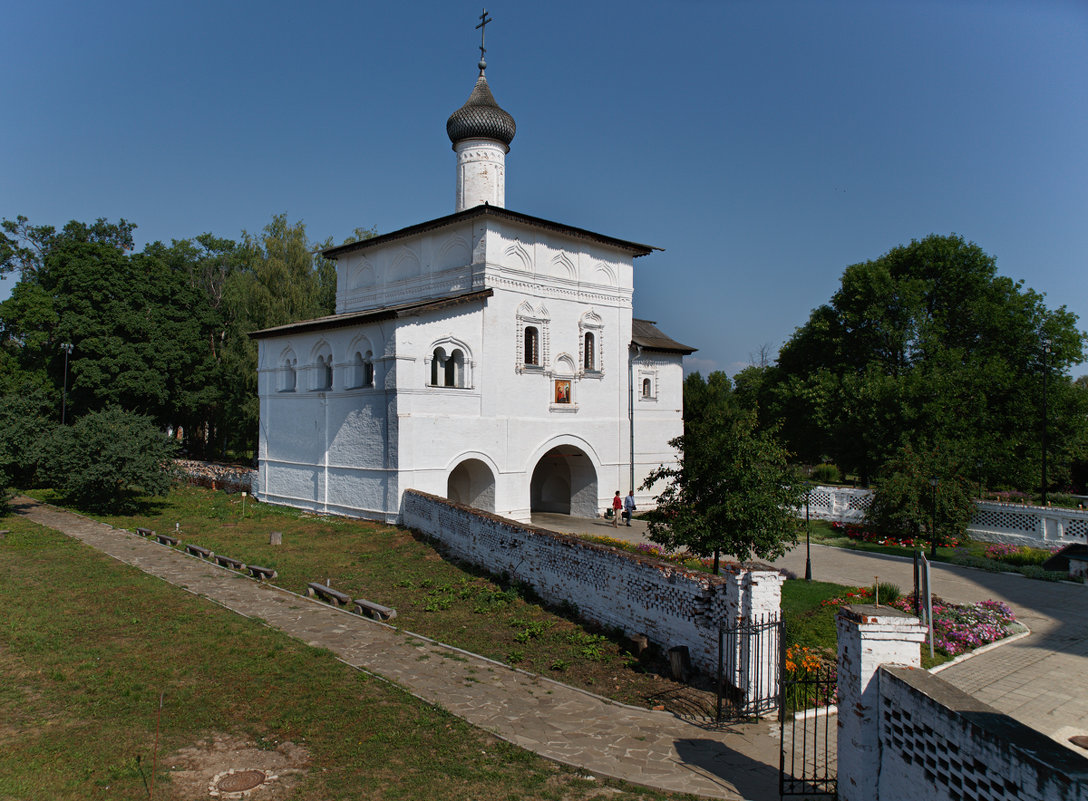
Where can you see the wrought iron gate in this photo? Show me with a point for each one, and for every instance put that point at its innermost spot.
(749, 668)
(808, 725)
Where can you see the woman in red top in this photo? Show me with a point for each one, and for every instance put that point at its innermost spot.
(617, 505)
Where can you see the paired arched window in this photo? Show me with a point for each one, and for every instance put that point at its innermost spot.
(448, 370)
(532, 346)
(362, 370)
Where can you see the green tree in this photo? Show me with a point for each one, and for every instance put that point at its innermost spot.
(929, 346)
(920, 493)
(27, 413)
(731, 489)
(108, 459)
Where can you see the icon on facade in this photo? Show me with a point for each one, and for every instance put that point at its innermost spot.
(562, 391)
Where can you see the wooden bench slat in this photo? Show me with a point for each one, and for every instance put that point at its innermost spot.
(226, 561)
(196, 550)
(145, 532)
(166, 539)
(377, 611)
(327, 593)
(261, 573)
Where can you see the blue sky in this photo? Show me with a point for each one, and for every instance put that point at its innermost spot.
(764, 145)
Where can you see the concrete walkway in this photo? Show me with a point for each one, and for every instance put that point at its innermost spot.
(551, 719)
(1040, 680)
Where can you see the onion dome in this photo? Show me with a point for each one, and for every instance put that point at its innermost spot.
(481, 117)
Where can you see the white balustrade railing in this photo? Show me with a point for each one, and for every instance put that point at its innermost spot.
(1019, 524)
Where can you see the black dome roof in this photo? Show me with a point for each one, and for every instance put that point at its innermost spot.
(481, 118)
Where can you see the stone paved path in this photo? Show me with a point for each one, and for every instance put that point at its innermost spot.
(551, 719)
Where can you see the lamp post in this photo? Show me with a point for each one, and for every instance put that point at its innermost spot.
(808, 535)
(67, 348)
(1046, 351)
(933, 517)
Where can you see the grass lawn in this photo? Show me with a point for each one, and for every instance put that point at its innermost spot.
(87, 645)
(451, 602)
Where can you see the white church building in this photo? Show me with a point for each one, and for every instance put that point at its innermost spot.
(489, 357)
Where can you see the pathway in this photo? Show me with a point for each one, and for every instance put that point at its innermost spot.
(551, 719)
(1040, 680)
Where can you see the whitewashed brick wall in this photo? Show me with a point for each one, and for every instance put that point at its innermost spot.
(639, 595)
(944, 744)
(1014, 523)
(905, 733)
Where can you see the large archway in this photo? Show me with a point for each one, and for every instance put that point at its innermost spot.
(473, 484)
(564, 482)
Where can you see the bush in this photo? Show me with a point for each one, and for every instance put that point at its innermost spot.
(826, 474)
(887, 593)
(108, 459)
(5, 493)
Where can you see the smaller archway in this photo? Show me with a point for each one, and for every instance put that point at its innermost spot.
(473, 484)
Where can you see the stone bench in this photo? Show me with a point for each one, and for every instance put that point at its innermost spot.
(226, 561)
(261, 573)
(196, 550)
(145, 532)
(376, 611)
(327, 593)
(166, 539)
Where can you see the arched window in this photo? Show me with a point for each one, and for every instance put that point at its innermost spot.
(455, 369)
(647, 388)
(362, 370)
(287, 376)
(532, 345)
(589, 362)
(368, 369)
(322, 373)
(438, 367)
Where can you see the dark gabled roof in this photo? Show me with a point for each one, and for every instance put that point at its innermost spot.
(372, 315)
(500, 214)
(647, 336)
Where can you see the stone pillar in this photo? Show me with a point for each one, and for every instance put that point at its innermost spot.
(869, 636)
(752, 597)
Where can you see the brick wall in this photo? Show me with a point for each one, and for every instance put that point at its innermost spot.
(231, 478)
(944, 744)
(639, 595)
(905, 733)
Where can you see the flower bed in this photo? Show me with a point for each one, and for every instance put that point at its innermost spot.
(956, 628)
(812, 673)
(858, 532)
(1020, 554)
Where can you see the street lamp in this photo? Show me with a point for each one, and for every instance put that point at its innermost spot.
(933, 517)
(67, 348)
(808, 535)
(1046, 350)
